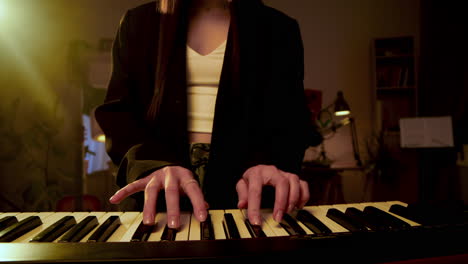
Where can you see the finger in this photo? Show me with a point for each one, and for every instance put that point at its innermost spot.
(294, 191)
(129, 189)
(281, 184)
(195, 194)
(242, 193)
(254, 187)
(171, 188)
(305, 194)
(151, 196)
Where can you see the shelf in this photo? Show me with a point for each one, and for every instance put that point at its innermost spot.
(395, 86)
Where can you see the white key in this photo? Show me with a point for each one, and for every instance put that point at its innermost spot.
(265, 227)
(385, 206)
(194, 232)
(8, 214)
(22, 216)
(161, 222)
(267, 215)
(46, 222)
(240, 222)
(101, 216)
(321, 213)
(126, 219)
(183, 232)
(217, 217)
(127, 237)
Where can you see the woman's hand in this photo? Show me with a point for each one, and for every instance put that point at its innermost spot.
(174, 180)
(290, 191)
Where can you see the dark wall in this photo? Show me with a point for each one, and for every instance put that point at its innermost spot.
(443, 82)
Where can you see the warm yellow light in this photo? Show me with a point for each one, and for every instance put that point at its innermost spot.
(101, 138)
(342, 113)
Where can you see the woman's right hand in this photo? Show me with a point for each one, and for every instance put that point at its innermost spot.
(175, 181)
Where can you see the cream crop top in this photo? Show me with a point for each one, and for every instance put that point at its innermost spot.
(203, 74)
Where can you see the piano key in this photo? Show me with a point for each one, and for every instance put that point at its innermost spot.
(158, 228)
(240, 223)
(312, 223)
(54, 228)
(206, 229)
(7, 221)
(217, 217)
(19, 229)
(127, 219)
(347, 222)
(267, 230)
(268, 219)
(230, 227)
(169, 234)
(384, 218)
(320, 213)
(184, 229)
(142, 232)
(254, 230)
(386, 206)
(80, 230)
(195, 229)
(291, 226)
(101, 217)
(105, 230)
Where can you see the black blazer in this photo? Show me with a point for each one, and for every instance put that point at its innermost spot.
(265, 120)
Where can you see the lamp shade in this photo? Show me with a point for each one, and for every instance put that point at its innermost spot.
(341, 106)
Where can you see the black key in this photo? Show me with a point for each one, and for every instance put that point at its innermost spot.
(344, 220)
(383, 218)
(358, 216)
(7, 221)
(22, 227)
(312, 222)
(142, 233)
(80, 230)
(401, 210)
(55, 230)
(105, 230)
(230, 227)
(169, 234)
(291, 226)
(206, 229)
(254, 230)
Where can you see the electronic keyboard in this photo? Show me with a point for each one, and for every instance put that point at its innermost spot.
(372, 232)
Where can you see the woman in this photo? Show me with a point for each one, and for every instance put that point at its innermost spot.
(206, 101)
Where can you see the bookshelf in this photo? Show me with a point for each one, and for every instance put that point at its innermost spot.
(395, 89)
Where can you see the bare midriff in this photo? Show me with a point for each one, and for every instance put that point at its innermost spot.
(199, 137)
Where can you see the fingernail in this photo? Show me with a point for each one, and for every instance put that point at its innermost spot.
(278, 216)
(173, 221)
(148, 220)
(112, 198)
(291, 207)
(256, 220)
(202, 215)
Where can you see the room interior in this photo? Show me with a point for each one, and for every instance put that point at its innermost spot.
(55, 56)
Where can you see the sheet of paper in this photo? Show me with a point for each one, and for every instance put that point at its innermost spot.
(426, 132)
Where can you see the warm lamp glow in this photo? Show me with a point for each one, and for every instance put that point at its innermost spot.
(342, 113)
(101, 138)
(341, 106)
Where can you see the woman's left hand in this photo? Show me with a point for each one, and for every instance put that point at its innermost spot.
(290, 191)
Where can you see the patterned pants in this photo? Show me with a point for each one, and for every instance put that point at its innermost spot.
(199, 155)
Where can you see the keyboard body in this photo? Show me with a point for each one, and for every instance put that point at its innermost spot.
(440, 240)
